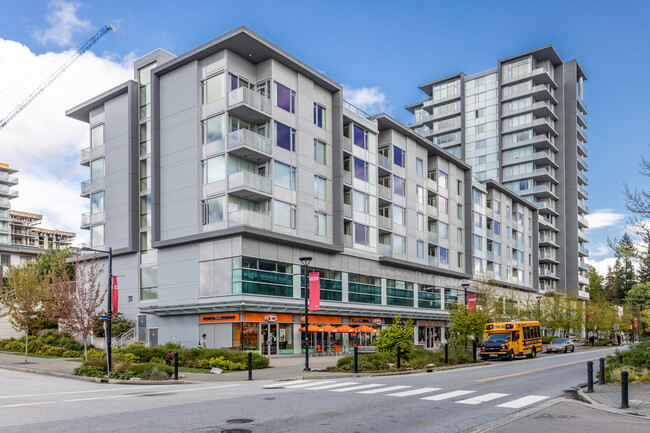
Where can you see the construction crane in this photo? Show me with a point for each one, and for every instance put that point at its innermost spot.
(73, 57)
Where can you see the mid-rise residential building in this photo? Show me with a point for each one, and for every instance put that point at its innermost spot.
(213, 173)
(523, 124)
(25, 232)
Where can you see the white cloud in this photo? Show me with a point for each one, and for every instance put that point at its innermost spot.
(63, 23)
(41, 142)
(600, 250)
(601, 265)
(370, 99)
(604, 218)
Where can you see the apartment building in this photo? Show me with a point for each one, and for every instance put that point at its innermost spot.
(213, 172)
(25, 232)
(523, 124)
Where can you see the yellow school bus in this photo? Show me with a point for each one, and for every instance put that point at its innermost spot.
(505, 340)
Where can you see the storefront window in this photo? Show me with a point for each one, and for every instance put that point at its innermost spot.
(262, 277)
(331, 286)
(429, 297)
(364, 288)
(399, 293)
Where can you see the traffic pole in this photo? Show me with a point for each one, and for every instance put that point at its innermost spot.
(624, 402)
(590, 376)
(601, 378)
(446, 353)
(399, 357)
(356, 359)
(250, 365)
(175, 365)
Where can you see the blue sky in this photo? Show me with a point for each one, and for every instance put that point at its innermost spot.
(389, 48)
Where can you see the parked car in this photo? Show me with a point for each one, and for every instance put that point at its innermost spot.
(560, 345)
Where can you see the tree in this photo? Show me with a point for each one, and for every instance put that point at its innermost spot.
(573, 315)
(639, 296)
(553, 312)
(638, 202)
(398, 334)
(51, 258)
(623, 273)
(643, 275)
(22, 298)
(75, 302)
(596, 289)
(466, 324)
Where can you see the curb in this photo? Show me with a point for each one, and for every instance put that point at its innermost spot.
(605, 408)
(508, 419)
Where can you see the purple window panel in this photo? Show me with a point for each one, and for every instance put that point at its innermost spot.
(398, 183)
(284, 136)
(360, 137)
(285, 97)
(398, 156)
(360, 234)
(443, 256)
(442, 204)
(497, 228)
(360, 169)
(234, 82)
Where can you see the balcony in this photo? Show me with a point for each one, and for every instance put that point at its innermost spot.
(582, 222)
(583, 236)
(539, 92)
(250, 105)
(583, 295)
(547, 239)
(347, 211)
(433, 261)
(5, 178)
(385, 250)
(582, 122)
(548, 256)
(384, 223)
(582, 178)
(489, 234)
(4, 202)
(583, 251)
(546, 207)
(583, 266)
(582, 206)
(347, 144)
(88, 219)
(347, 241)
(432, 211)
(384, 192)
(582, 107)
(548, 273)
(540, 109)
(85, 156)
(432, 184)
(582, 164)
(582, 192)
(433, 237)
(250, 218)
(347, 177)
(85, 188)
(6, 192)
(582, 148)
(582, 135)
(583, 280)
(249, 186)
(359, 112)
(543, 191)
(452, 126)
(384, 162)
(539, 76)
(249, 145)
(543, 126)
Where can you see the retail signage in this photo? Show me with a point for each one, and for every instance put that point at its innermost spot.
(364, 321)
(431, 323)
(268, 317)
(313, 318)
(314, 291)
(115, 295)
(471, 300)
(225, 317)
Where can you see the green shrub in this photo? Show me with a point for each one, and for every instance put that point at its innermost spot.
(71, 354)
(15, 346)
(127, 375)
(54, 350)
(124, 357)
(87, 370)
(547, 340)
(397, 335)
(97, 363)
(36, 346)
(95, 353)
(605, 342)
(371, 362)
(137, 369)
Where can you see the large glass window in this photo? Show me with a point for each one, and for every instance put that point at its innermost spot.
(361, 202)
(213, 169)
(97, 202)
(399, 186)
(320, 149)
(360, 169)
(446, 90)
(284, 175)
(360, 137)
(145, 174)
(399, 215)
(285, 137)
(319, 115)
(320, 224)
(361, 234)
(286, 98)
(419, 167)
(320, 188)
(97, 169)
(419, 194)
(213, 209)
(214, 128)
(97, 236)
(149, 283)
(443, 230)
(399, 244)
(443, 255)
(145, 138)
(214, 88)
(399, 293)
(97, 136)
(144, 77)
(145, 210)
(364, 288)
(442, 179)
(285, 214)
(398, 156)
(443, 205)
(420, 222)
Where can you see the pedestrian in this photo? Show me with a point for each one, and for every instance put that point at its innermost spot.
(168, 358)
(202, 341)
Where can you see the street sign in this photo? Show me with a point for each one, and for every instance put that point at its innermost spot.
(103, 318)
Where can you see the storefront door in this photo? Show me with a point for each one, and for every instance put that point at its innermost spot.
(269, 333)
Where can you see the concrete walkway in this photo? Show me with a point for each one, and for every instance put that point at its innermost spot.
(608, 397)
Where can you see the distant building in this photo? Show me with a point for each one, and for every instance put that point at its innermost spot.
(24, 232)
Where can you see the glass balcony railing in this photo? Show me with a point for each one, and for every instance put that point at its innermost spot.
(385, 223)
(250, 218)
(244, 137)
(246, 179)
(385, 250)
(85, 187)
(384, 161)
(250, 97)
(347, 241)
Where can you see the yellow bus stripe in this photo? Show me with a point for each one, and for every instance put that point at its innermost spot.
(535, 370)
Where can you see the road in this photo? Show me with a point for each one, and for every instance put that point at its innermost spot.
(447, 401)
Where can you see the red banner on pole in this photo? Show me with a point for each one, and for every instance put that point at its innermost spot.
(314, 291)
(636, 322)
(471, 299)
(115, 295)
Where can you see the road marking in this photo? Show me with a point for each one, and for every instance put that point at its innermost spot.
(535, 370)
(311, 383)
(414, 392)
(447, 395)
(390, 388)
(27, 404)
(483, 398)
(332, 385)
(77, 392)
(524, 401)
(354, 388)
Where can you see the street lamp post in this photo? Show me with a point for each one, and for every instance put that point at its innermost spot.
(305, 262)
(465, 287)
(109, 335)
(539, 311)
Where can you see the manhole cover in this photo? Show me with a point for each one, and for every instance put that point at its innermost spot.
(239, 421)
(237, 430)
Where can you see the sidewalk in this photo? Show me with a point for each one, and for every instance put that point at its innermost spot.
(52, 366)
(608, 397)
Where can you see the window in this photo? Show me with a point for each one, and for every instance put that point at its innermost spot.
(145, 138)
(419, 166)
(361, 234)
(459, 236)
(497, 207)
(443, 230)
(286, 98)
(97, 236)
(442, 179)
(284, 175)
(420, 222)
(398, 185)
(144, 77)
(460, 187)
(319, 115)
(478, 220)
(320, 188)
(320, 149)
(285, 137)
(149, 283)
(214, 88)
(145, 211)
(399, 244)
(6, 260)
(97, 136)
(419, 194)
(285, 214)
(477, 243)
(460, 212)
(97, 202)
(420, 250)
(360, 169)
(320, 224)
(213, 210)
(214, 128)
(398, 156)
(443, 256)
(145, 174)
(460, 260)
(361, 202)
(442, 205)
(97, 169)
(497, 228)
(399, 215)
(213, 169)
(360, 137)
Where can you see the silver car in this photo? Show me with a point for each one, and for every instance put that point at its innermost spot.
(560, 345)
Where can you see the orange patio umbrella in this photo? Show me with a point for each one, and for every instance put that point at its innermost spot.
(344, 329)
(312, 328)
(364, 328)
(328, 328)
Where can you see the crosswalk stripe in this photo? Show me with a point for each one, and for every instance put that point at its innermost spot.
(354, 388)
(332, 385)
(310, 383)
(414, 392)
(447, 395)
(390, 388)
(483, 398)
(293, 382)
(524, 401)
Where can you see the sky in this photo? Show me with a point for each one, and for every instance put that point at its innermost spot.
(380, 51)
